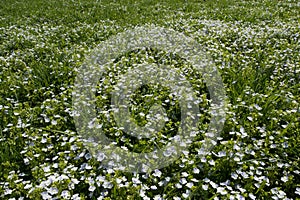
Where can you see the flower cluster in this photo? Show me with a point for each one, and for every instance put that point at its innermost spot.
(255, 157)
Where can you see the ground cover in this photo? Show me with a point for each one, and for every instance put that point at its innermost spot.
(255, 47)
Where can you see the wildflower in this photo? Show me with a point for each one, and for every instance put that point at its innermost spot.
(65, 194)
(46, 196)
(157, 173)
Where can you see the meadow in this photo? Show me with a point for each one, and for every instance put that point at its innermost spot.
(255, 45)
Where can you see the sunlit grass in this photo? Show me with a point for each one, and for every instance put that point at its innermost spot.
(254, 44)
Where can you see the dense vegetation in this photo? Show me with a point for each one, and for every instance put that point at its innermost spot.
(255, 46)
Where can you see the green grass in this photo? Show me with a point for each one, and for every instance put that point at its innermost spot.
(255, 46)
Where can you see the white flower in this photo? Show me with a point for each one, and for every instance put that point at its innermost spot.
(214, 185)
(63, 177)
(75, 197)
(157, 197)
(26, 161)
(65, 194)
(46, 169)
(136, 180)
(100, 178)
(205, 187)
(196, 171)
(53, 190)
(157, 173)
(44, 140)
(153, 187)
(87, 166)
(221, 154)
(45, 183)
(45, 195)
(189, 185)
(194, 180)
(221, 190)
(183, 181)
(281, 194)
(8, 191)
(252, 196)
(27, 186)
(234, 176)
(240, 197)
(186, 194)
(92, 188)
(54, 122)
(284, 178)
(211, 162)
(110, 171)
(169, 151)
(206, 180)
(47, 119)
(107, 184)
(118, 180)
(142, 193)
(250, 118)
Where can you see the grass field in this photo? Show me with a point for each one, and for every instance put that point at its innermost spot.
(255, 46)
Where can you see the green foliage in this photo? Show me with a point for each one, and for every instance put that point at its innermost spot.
(254, 44)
